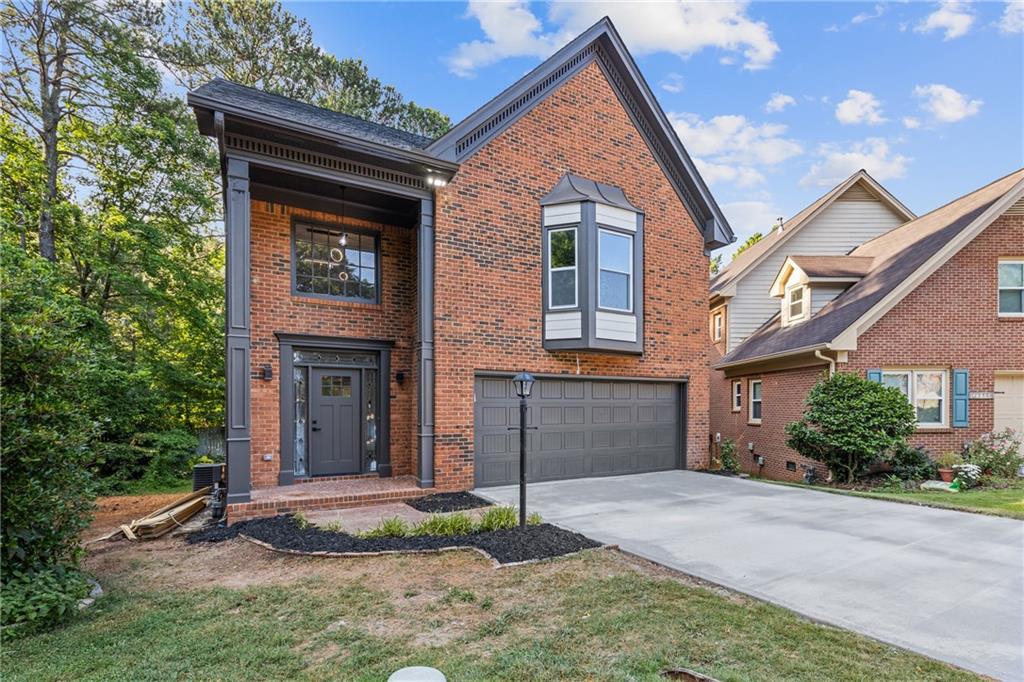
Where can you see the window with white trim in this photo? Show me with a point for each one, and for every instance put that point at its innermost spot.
(796, 303)
(717, 323)
(737, 396)
(563, 280)
(614, 270)
(754, 392)
(1011, 287)
(926, 389)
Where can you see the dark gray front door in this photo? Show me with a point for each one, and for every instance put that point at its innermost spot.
(584, 427)
(334, 422)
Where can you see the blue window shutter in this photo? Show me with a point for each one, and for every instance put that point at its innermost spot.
(960, 397)
(875, 375)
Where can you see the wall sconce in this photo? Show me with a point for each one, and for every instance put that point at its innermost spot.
(400, 378)
(267, 373)
(436, 181)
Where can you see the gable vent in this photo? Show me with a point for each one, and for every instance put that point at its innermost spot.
(469, 140)
(333, 163)
(1017, 208)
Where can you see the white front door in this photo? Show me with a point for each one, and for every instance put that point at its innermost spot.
(1009, 403)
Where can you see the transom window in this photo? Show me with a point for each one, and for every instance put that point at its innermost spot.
(562, 269)
(336, 263)
(755, 401)
(926, 391)
(1011, 287)
(615, 270)
(737, 396)
(796, 304)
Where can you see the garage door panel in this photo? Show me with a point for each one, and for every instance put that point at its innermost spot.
(583, 428)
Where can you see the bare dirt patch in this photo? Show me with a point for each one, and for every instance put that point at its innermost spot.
(111, 512)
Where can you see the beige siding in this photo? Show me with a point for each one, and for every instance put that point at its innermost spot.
(839, 228)
(821, 294)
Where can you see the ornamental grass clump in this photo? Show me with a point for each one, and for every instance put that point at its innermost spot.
(851, 423)
(498, 518)
(458, 523)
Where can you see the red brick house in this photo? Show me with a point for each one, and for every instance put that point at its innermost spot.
(934, 307)
(382, 288)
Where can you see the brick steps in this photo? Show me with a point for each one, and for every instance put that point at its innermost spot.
(325, 495)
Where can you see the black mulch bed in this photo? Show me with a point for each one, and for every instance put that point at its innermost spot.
(506, 546)
(440, 503)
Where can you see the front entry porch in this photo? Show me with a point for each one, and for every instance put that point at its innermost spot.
(317, 495)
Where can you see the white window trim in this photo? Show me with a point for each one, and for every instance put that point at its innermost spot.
(912, 383)
(629, 274)
(1014, 261)
(787, 303)
(751, 401)
(737, 396)
(717, 325)
(575, 268)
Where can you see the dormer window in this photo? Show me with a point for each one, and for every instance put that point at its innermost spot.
(796, 303)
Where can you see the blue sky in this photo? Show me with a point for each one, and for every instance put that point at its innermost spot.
(776, 101)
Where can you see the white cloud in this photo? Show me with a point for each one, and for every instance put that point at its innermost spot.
(731, 149)
(953, 17)
(878, 11)
(778, 102)
(946, 105)
(679, 28)
(672, 83)
(748, 217)
(836, 163)
(859, 107)
(910, 122)
(1012, 20)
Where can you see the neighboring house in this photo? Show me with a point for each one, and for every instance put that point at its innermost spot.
(383, 288)
(934, 307)
(852, 212)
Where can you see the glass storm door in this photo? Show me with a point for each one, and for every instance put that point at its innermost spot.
(335, 420)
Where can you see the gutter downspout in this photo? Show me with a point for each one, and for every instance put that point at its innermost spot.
(831, 362)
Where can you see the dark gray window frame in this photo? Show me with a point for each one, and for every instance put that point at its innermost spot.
(599, 228)
(575, 227)
(342, 227)
(588, 282)
(287, 343)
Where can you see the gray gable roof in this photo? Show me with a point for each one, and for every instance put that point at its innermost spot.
(895, 255)
(225, 93)
(573, 188)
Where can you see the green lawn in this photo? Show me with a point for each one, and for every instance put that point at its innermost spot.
(1007, 502)
(237, 612)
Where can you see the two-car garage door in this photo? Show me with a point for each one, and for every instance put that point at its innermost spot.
(583, 427)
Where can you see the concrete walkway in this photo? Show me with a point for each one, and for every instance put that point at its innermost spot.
(947, 584)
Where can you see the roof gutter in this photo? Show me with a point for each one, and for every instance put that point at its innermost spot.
(345, 141)
(773, 356)
(831, 362)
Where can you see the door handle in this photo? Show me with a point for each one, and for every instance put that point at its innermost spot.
(314, 427)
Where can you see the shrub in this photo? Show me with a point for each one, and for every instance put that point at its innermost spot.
(35, 600)
(394, 527)
(998, 454)
(967, 474)
(948, 460)
(498, 518)
(727, 453)
(459, 523)
(911, 463)
(533, 519)
(849, 423)
(169, 455)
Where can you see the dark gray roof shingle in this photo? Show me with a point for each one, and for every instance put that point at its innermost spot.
(220, 90)
(574, 188)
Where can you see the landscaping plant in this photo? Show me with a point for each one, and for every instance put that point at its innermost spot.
(911, 463)
(850, 423)
(997, 454)
(967, 474)
(727, 453)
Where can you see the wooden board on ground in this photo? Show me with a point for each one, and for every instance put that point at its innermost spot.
(164, 519)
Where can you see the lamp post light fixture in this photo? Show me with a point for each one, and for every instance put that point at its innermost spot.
(523, 384)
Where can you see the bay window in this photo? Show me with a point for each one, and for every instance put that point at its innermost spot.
(926, 389)
(615, 270)
(563, 282)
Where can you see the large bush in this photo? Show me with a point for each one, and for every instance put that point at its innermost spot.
(996, 454)
(850, 423)
(911, 463)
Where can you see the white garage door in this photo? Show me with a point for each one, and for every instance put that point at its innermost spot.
(1009, 403)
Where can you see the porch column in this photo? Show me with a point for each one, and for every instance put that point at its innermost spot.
(236, 311)
(425, 341)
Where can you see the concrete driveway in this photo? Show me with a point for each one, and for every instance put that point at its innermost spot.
(947, 584)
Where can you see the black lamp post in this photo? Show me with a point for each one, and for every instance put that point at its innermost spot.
(523, 383)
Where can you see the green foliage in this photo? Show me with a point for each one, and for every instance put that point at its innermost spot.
(997, 454)
(35, 600)
(911, 463)
(301, 521)
(170, 455)
(458, 523)
(715, 264)
(850, 423)
(947, 460)
(394, 527)
(751, 240)
(967, 475)
(891, 484)
(458, 594)
(534, 519)
(727, 453)
(498, 518)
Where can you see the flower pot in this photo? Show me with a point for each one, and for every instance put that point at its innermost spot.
(946, 475)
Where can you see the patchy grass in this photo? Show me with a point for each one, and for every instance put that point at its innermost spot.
(235, 611)
(995, 501)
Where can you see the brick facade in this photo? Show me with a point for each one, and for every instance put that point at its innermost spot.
(276, 309)
(488, 293)
(949, 321)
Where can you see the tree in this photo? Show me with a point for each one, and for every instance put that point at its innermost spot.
(260, 44)
(851, 422)
(751, 240)
(716, 264)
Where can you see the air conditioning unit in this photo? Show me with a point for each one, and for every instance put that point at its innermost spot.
(204, 475)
